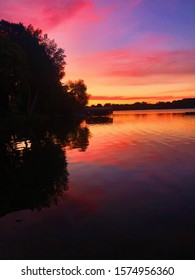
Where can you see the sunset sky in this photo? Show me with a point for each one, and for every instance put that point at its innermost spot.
(124, 50)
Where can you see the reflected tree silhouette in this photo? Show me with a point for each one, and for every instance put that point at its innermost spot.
(79, 139)
(33, 165)
(100, 120)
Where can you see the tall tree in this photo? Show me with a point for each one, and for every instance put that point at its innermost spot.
(45, 61)
(14, 72)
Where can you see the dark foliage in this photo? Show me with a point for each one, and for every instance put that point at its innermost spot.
(13, 72)
(45, 63)
(32, 67)
(77, 93)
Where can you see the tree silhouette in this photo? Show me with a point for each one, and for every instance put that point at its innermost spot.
(33, 164)
(33, 174)
(45, 62)
(77, 91)
(14, 72)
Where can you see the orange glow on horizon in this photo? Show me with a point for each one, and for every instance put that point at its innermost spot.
(133, 74)
(132, 101)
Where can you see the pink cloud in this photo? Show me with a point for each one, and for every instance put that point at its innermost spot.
(141, 66)
(44, 14)
(135, 63)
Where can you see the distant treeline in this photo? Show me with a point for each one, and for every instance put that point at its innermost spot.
(176, 104)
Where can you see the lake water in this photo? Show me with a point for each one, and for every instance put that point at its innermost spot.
(120, 187)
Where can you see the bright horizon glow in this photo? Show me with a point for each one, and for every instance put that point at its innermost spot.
(125, 51)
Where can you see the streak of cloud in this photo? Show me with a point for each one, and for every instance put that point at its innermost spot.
(128, 98)
(41, 13)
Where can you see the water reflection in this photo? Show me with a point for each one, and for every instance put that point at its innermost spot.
(138, 173)
(130, 190)
(100, 120)
(33, 164)
(78, 138)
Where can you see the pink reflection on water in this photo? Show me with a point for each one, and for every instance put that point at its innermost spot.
(137, 138)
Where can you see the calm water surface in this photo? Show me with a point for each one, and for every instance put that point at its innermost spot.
(126, 191)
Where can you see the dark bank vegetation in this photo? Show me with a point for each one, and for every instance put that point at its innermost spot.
(31, 70)
(185, 103)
